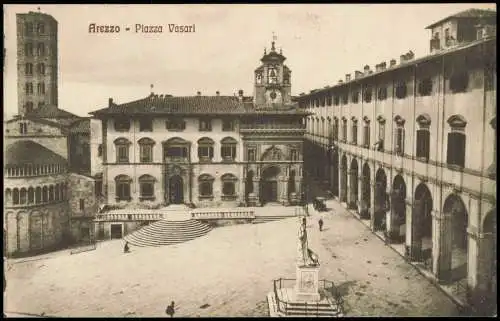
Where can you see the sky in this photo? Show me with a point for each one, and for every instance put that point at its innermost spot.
(322, 43)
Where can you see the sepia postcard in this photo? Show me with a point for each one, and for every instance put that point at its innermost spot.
(249, 160)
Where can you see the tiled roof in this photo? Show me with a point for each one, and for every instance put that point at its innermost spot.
(468, 14)
(193, 105)
(28, 152)
(50, 111)
(81, 126)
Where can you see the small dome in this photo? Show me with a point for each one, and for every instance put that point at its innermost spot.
(28, 152)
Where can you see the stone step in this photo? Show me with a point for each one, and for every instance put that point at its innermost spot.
(173, 232)
(191, 234)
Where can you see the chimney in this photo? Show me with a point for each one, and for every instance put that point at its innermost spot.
(358, 74)
(340, 81)
(240, 95)
(217, 93)
(377, 68)
(402, 58)
(410, 55)
(383, 66)
(198, 93)
(110, 102)
(367, 69)
(347, 77)
(393, 62)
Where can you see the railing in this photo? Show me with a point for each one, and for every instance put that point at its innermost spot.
(213, 215)
(312, 308)
(128, 217)
(271, 126)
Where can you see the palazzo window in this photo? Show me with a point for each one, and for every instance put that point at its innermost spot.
(344, 130)
(423, 137)
(205, 188)
(28, 88)
(367, 94)
(459, 81)
(366, 132)
(425, 87)
(123, 188)
(41, 69)
(146, 150)
(145, 125)
(28, 28)
(227, 125)
(355, 97)
(354, 131)
(41, 88)
(205, 149)
(382, 93)
(40, 49)
(122, 150)
(28, 69)
(176, 151)
(28, 50)
(228, 186)
(329, 100)
(381, 134)
(456, 141)
(336, 100)
(400, 90)
(345, 99)
(228, 149)
(147, 187)
(205, 125)
(175, 124)
(122, 125)
(399, 138)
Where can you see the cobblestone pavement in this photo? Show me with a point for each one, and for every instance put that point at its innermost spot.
(226, 273)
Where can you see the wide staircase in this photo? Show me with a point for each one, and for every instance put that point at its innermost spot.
(165, 232)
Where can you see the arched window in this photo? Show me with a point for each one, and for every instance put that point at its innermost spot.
(228, 149)
(8, 196)
(354, 130)
(23, 195)
(147, 187)
(229, 186)
(205, 149)
(123, 187)
(146, 149)
(38, 195)
(205, 186)
(399, 138)
(122, 150)
(456, 141)
(51, 193)
(366, 132)
(15, 196)
(423, 137)
(31, 195)
(45, 194)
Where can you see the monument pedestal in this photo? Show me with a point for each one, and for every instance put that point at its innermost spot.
(307, 284)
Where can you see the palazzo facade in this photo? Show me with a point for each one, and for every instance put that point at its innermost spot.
(204, 151)
(411, 147)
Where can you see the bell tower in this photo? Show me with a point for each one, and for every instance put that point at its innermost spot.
(272, 80)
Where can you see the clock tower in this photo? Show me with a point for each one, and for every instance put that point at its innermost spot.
(272, 81)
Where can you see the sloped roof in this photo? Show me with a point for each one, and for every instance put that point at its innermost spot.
(50, 111)
(467, 14)
(81, 126)
(28, 152)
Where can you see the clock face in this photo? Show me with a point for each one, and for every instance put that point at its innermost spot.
(274, 96)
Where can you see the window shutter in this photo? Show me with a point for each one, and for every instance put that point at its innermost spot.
(460, 150)
(426, 138)
(450, 152)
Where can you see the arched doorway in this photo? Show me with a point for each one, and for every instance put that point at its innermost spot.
(366, 193)
(335, 173)
(421, 227)
(269, 185)
(176, 189)
(398, 210)
(379, 222)
(354, 184)
(343, 180)
(456, 232)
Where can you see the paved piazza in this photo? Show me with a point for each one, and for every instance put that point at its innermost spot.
(226, 273)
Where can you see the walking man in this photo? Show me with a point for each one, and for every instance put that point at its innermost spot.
(170, 310)
(320, 222)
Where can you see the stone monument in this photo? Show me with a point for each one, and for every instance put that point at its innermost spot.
(307, 282)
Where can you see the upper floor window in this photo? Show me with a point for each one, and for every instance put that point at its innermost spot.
(28, 28)
(205, 149)
(336, 100)
(459, 81)
(122, 124)
(401, 90)
(228, 149)
(345, 99)
(205, 125)
(425, 87)
(28, 69)
(41, 68)
(28, 88)
(40, 49)
(28, 49)
(344, 130)
(355, 97)
(122, 150)
(354, 131)
(145, 125)
(41, 28)
(227, 125)
(366, 132)
(146, 150)
(251, 154)
(147, 187)
(382, 93)
(336, 128)
(41, 88)
(423, 137)
(123, 187)
(456, 141)
(175, 124)
(381, 133)
(367, 94)
(228, 184)
(399, 138)
(329, 100)
(205, 186)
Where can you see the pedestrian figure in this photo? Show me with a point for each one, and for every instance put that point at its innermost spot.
(126, 248)
(170, 310)
(320, 222)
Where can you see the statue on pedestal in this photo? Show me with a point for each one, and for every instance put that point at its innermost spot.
(306, 256)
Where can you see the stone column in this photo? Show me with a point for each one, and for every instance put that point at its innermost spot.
(256, 190)
(360, 205)
(284, 188)
(372, 205)
(442, 243)
(483, 293)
